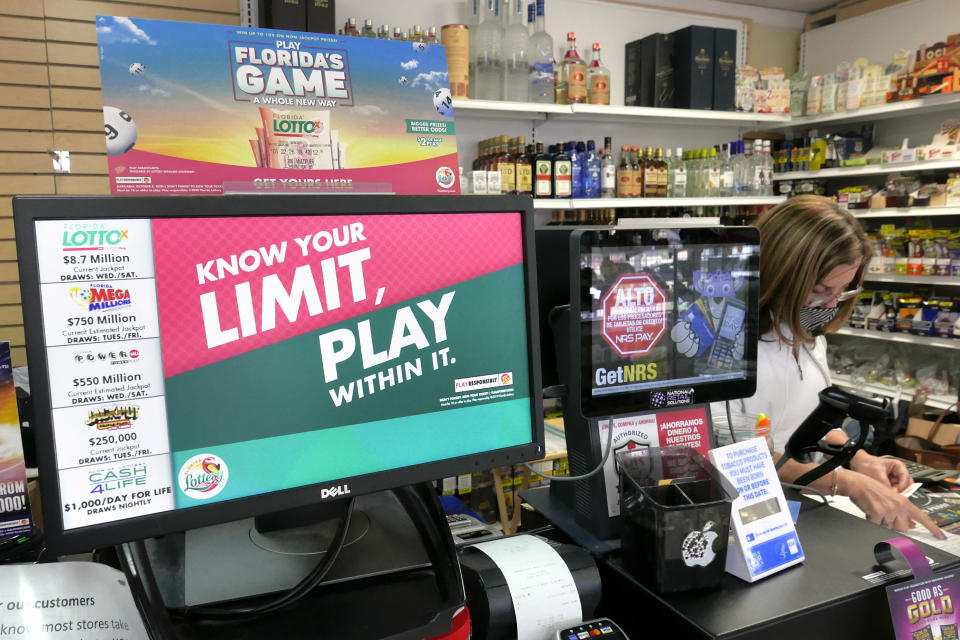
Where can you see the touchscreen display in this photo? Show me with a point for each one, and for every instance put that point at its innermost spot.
(668, 310)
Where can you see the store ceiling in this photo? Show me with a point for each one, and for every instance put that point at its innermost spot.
(806, 6)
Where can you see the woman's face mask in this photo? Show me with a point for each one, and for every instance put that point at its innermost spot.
(812, 318)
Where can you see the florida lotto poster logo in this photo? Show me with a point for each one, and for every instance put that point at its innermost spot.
(203, 476)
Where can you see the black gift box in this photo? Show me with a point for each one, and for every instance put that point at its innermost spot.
(289, 15)
(320, 18)
(693, 67)
(724, 69)
(649, 71)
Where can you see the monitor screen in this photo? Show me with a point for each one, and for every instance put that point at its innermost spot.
(666, 317)
(195, 360)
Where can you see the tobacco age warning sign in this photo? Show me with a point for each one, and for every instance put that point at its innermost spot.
(634, 314)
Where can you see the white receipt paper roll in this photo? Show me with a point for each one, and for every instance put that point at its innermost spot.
(544, 594)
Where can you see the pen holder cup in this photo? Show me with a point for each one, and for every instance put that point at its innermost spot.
(676, 518)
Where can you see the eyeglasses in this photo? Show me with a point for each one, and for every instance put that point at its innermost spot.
(843, 296)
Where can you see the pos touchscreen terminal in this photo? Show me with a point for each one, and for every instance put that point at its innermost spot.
(660, 322)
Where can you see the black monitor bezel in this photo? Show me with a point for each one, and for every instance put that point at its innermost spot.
(28, 209)
(640, 401)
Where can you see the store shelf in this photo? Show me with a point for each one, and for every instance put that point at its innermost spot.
(905, 211)
(647, 203)
(918, 106)
(593, 112)
(946, 343)
(904, 279)
(869, 170)
(938, 402)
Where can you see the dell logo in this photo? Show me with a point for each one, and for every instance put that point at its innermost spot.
(333, 492)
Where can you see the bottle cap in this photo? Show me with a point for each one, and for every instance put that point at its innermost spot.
(596, 46)
(571, 35)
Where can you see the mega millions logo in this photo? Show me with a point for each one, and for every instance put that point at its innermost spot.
(113, 419)
(100, 297)
(87, 239)
(203, 476)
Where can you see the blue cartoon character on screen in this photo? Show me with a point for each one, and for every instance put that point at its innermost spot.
(713, 325)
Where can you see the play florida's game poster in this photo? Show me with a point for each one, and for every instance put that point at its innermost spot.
(199, 108)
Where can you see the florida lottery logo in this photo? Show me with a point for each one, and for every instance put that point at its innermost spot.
(446, 177)
(203, 476)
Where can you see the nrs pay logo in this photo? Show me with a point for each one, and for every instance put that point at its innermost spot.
(504, 379)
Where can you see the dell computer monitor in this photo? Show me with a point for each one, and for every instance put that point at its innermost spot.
(201, 359)
(663, 317)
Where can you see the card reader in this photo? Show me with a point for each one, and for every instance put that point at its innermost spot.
(601, 628)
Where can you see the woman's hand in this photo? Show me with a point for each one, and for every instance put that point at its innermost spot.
(882, 504)
(887, 471)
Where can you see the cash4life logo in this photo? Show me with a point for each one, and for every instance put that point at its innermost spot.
(113, 419)
(203, 476)
(93, 237)
(100, 297)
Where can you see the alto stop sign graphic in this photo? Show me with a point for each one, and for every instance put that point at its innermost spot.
(634, 314)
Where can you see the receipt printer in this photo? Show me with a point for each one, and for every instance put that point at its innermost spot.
(488, 596)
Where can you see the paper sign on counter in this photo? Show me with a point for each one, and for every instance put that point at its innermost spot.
(67, 600)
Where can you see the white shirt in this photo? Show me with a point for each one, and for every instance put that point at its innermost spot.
(787, 387)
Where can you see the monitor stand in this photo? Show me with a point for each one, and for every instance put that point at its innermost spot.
(236, 560)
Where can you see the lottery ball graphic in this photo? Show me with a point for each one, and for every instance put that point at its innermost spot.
(120, 131)
(442, 102)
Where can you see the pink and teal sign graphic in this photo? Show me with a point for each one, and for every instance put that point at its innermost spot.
(287, 341)
(201, 108)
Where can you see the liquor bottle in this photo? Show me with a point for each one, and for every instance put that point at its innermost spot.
(726, 171)
(524, 172)
(432, 37)
(670, 172)
(768, 169)
(746, 169)
(608, 167)
(543, 178)
(383, 32)
(713, 174)
(680, 177)
(636, 159)
(573, 74)
(416, 34)
(398, 35)
(516, 43)
(472, 28)
(478, 173)
(487, 63)
(598, 79)
(541, 59)
(757, 169)
(624, 174)
(661, 174)
(350, 29)
(493, 170)
(562, 174)
(591, 172)
(650, 169)
(507, 166)
(368, 30)
(576, 151)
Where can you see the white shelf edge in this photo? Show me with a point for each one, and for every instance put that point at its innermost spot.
(944, 280)
(646, 203)
(667, 223)
(873, 169)
(947, 343)
(501, 107)
(882, 111)
(654, 113)
(939, 402)
(905, 211)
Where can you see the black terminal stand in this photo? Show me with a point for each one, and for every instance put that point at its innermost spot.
(409, 604)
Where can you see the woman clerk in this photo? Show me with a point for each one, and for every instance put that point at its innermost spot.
(813, 258)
